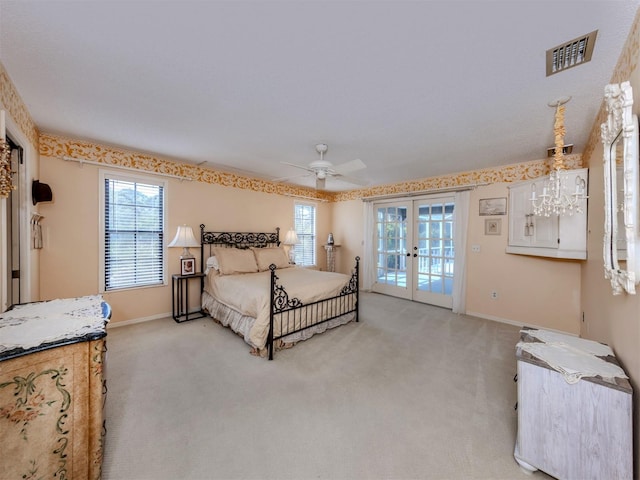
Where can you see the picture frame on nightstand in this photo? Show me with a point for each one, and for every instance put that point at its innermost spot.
(187, 266)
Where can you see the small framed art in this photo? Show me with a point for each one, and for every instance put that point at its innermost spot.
(493, 206)
(492, 226)
(187, 266)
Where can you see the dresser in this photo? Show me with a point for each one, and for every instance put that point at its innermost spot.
(52, 392)
(572, 426)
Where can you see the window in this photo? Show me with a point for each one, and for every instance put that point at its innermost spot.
(132, 236)
(305, 227)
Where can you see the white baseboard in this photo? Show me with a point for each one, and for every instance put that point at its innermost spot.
(138, 320)
(515, 323)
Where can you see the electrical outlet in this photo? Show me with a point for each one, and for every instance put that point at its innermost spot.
(475, 248)
(494, 294)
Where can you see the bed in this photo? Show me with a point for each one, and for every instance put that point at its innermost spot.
(251, 288)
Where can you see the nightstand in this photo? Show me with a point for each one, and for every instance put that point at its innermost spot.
(180, 297)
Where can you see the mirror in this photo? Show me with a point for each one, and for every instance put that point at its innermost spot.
(621, 252)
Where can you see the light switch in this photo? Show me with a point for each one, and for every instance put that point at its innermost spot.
(475, 248)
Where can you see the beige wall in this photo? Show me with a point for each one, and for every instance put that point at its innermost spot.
(70, 257)
(348, 228)
(614, 320)
(530, 290)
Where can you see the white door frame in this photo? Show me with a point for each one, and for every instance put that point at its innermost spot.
(411, 289)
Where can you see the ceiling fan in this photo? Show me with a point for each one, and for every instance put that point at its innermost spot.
(322, 169)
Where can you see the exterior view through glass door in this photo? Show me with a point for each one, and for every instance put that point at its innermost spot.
(415, 249)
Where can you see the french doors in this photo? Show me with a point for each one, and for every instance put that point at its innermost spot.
(414, 249)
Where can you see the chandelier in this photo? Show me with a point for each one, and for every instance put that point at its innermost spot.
(557, 197)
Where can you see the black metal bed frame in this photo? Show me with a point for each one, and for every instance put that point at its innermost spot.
(293, 315)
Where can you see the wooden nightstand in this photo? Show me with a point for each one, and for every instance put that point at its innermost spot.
(180, 297)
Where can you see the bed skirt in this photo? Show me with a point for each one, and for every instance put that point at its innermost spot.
(241, 324)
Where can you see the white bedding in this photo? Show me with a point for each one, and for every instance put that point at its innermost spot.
(249, 293)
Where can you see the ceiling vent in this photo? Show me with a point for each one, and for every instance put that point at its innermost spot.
(570, 54)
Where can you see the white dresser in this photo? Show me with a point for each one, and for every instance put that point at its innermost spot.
(580, 430)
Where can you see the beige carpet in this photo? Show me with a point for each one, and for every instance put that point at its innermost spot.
(410, 392)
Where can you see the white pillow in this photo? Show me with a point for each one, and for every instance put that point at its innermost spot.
(212, 265)
(212, 262)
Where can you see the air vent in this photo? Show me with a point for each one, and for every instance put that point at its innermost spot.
(570, 54)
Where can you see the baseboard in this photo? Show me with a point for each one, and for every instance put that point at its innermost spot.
(133, 321)
(515, 323)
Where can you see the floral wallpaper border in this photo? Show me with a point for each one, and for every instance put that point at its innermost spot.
(12, 102)
(59, 147)
(508, 173)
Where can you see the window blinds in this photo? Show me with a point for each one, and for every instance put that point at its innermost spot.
(305, 227)
(133, 234)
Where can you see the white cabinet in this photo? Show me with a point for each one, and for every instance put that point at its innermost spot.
(555, 236)
(580, 431)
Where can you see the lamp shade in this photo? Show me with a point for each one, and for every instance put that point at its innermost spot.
(184, 238)
(291, 238)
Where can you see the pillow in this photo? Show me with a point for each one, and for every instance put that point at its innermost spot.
(235, 260)
(212, 266)
(267, 256)
(212, 262)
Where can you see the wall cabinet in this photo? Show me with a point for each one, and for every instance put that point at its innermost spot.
(555, 236)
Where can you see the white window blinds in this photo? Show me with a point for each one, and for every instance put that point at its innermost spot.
(305, 227)
(133, 233)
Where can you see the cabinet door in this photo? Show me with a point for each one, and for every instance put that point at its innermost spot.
(545, 232)
(525, 229)
(519, 209)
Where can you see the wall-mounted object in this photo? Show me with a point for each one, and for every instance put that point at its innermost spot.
(493, 226)
(555, 236)
(40, 192)
(36, 231)
(621, 252)
(492, 206)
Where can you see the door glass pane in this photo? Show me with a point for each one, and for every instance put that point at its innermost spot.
(391, 231)
(435, 248)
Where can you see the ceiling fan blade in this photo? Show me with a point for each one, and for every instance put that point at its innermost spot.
(348, 167)
(320, 183)
(291, 177)
(355, 181)
(297, 166)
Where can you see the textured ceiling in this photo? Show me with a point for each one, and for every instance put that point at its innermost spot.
(413, 89)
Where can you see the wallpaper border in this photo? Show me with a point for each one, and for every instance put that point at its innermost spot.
(12, 102)
(59, 147)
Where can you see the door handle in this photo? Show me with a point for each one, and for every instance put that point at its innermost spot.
(415, 255)
(408, 254)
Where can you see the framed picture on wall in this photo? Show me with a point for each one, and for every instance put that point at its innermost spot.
(187, 266)
(493, 206)
(492, 226)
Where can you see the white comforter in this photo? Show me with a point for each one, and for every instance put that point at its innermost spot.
(249, 293)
